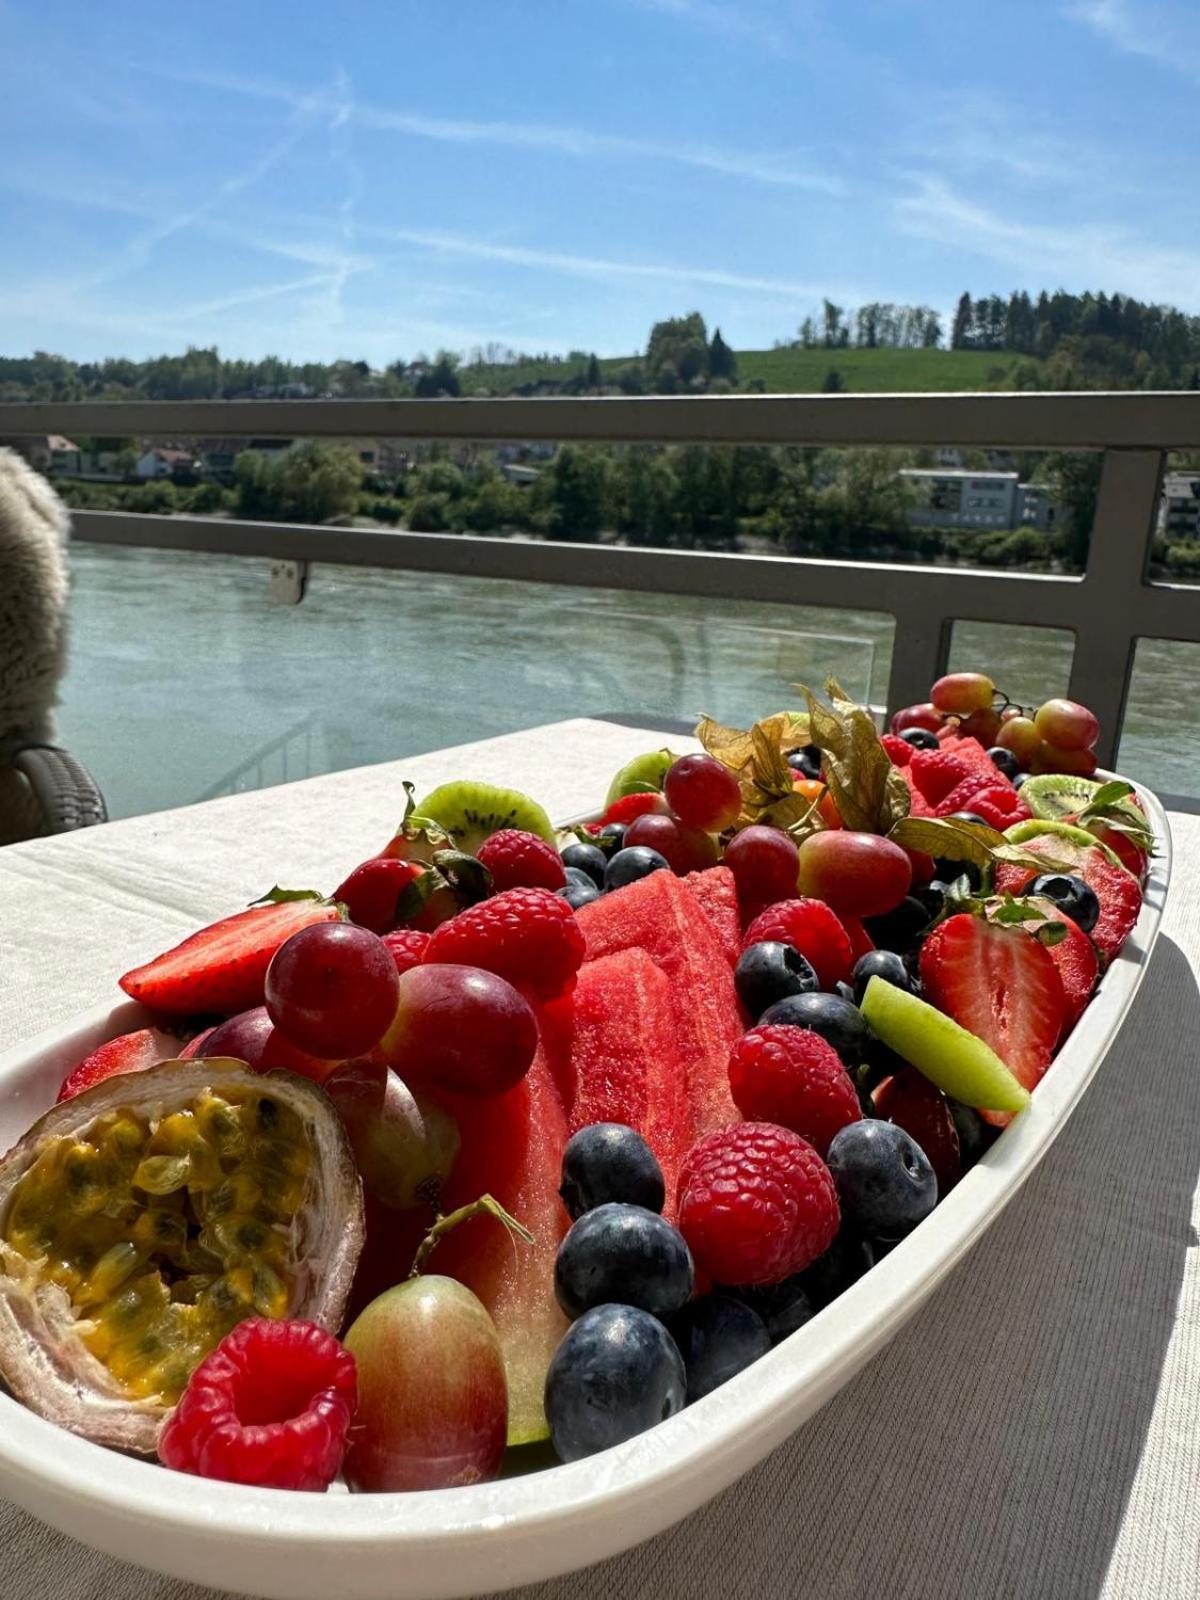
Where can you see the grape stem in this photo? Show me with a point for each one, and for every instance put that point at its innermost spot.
(485, 1206)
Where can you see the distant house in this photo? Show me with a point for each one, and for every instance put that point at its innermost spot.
(50, 453)
(1179, 508)
(164, 461)
(958, 499)
(523, 477)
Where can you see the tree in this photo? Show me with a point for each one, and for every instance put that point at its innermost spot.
(681, 343)
(722, 362)
(960, 333)
(647, 491)
(1074, 484)
(832, 318)
(832, 383)
(808, 333)
(593, 377)
(440, 379)
(312, 482)
(574, 490)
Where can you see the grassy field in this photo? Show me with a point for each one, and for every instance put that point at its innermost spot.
(799, 371)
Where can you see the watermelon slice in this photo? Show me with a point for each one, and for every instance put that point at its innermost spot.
(512, 1147)
(626, 1063)
(716, 890)
(662, 915)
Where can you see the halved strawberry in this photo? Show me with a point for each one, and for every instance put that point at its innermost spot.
(1074, 956)
(1000, 984)
(131, 1052)
(1117, 890)
(222, 967)
(916, 1105)
(1123, 845)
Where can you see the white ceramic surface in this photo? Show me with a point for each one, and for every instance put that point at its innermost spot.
(473, 1541)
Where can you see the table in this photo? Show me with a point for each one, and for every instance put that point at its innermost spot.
(1035, 1430)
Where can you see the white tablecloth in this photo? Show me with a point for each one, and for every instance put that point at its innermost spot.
(1034, 1431)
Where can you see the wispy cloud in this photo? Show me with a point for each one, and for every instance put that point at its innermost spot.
(1074, 255)
(580, 143)
(756, 21)
(1144, 30)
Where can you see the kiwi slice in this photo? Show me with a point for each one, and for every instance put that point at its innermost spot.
(469, 812)
(949, 1056)
(1054, 795)
(1073, 839)
(642, 773)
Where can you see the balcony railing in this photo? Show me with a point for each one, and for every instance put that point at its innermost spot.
(1108, 609)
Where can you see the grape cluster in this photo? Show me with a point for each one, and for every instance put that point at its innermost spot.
(1057, 736)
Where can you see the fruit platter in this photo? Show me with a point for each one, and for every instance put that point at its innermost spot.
(480, 1216)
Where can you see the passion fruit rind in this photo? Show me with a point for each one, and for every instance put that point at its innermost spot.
(46, 1326)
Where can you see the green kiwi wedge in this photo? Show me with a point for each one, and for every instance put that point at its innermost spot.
(949, 1056)
(642, 773)
(470, 812)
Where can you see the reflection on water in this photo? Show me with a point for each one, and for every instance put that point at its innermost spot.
(187, 681)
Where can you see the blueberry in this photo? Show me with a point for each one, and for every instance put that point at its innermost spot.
(950, 868)
(616, 1373)
(622, 1253)
(835, 1019)
(968, 816)
(607, 1161)
(578, 894)
(846, 1260)
(807, 762)
(1073, 897)
(631, 863)
(900, 929)
(921, 739)
(782, 1307)
(717, 1337)
(884, 1181)
(1004, 761)
(884, 964)
(1018, 778)
(844, 991)
(611, 837)
(586, 858)
(578, 875)
(974, 1134)
(770, 971)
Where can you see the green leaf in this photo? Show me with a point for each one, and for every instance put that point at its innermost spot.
(959, 841)
(415, 894)
(1108, 793)
(1051, 933)
(1010, 911)
(469, 877)
(859, 773)
(280, 897)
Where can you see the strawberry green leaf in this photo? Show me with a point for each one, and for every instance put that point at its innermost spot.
(415, 894)
(469, 877)
(1050, 933)
(1011, 910)
(279, 897)
(1108, 793)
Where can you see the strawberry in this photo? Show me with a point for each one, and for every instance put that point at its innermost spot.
(222, 967)
(937, 773)
(1000, 984)
(1075, 958)
(914, 1104)
(1116, 889)
(132, 1052)
(630, 806)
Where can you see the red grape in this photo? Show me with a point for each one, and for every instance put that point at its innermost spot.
(1067, 725)
(404, 1144)
(460, 1028)
(252, 1037)
(982, 725)
(703, 793)
(371, 892)
(925, 716)
(1047, 758)
(963, 692)
(764, 863)
(332, 989)
(686, 849)
(432, 1396)
(1020, 736)
(857, 874)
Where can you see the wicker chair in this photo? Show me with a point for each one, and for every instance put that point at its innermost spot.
(61, 794)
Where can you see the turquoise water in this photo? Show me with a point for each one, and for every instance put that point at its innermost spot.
(186, 680)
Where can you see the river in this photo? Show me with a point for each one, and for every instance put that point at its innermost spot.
(187, 681)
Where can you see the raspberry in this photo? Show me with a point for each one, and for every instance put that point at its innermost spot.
(756, 1203)
(528, 936)
(900, 752)
(408, 947)
(520, 860)
(978, 785)
(270, 1406)
(795, 1078)
(812, 928)
(995, 812)
(936, 772)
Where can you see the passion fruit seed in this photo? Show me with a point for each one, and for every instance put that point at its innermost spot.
(164, 1234)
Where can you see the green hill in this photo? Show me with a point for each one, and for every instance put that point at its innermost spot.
(793, 371)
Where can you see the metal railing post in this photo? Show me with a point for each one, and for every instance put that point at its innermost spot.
(1130, 482)
(920, 651)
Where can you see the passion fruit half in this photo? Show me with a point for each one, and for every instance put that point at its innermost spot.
(143, 1219)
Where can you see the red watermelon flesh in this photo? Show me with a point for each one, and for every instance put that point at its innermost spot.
(512, 1147)
(716, 890)
(662, 915)
(974, 757)
(1114, 886)
(627, 1066)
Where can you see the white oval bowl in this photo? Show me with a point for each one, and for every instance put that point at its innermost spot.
(459, 1542)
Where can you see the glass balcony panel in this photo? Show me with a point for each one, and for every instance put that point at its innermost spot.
(1160, 744)
(1028, 664)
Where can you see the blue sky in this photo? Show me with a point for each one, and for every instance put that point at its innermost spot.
(379, 178)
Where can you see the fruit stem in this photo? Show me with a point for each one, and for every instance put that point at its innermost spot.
(485, 1206)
